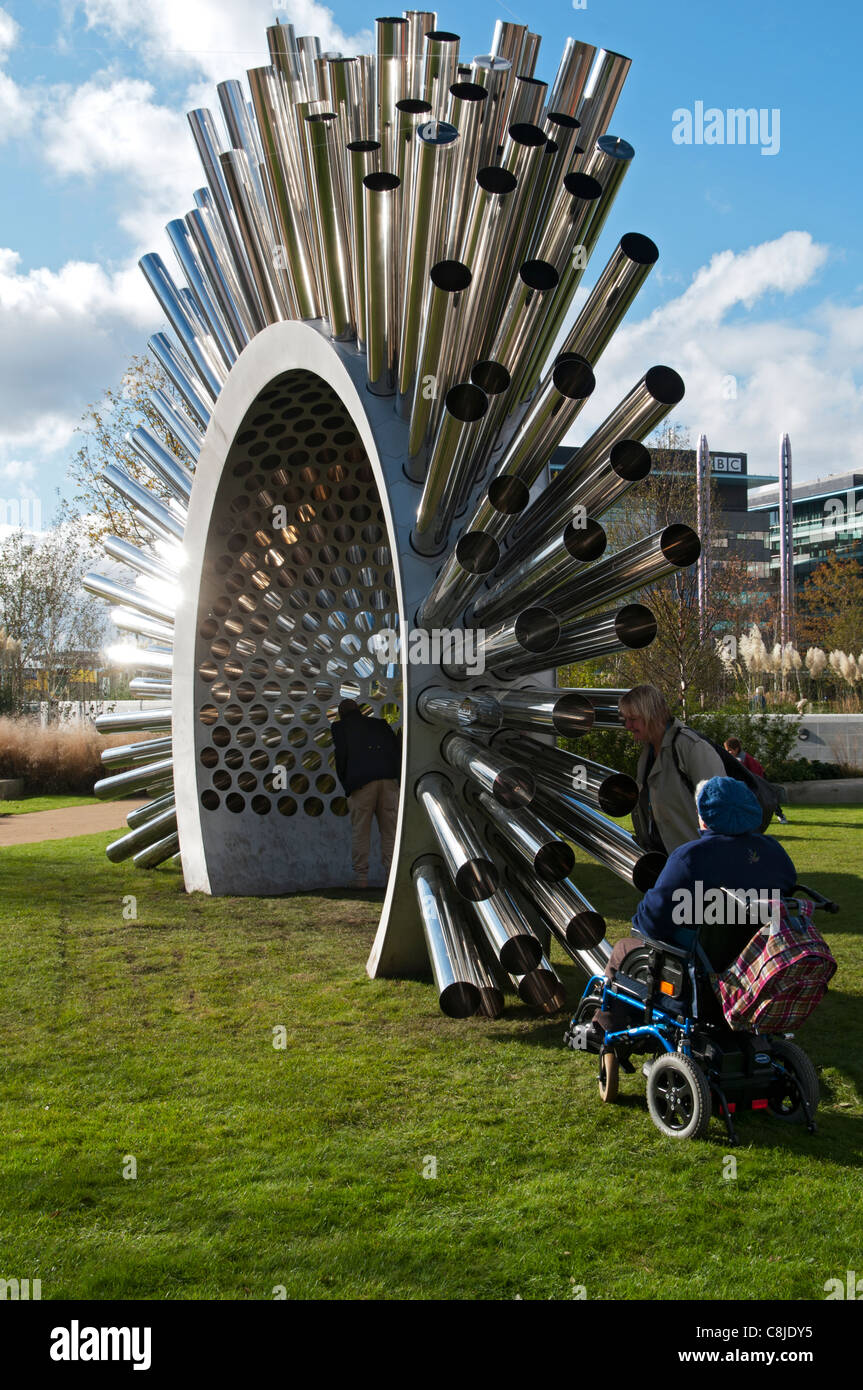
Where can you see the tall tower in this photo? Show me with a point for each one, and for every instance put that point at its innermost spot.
(786, 545)
(702, 525)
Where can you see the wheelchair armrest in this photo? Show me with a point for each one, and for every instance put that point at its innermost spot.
(680, 952)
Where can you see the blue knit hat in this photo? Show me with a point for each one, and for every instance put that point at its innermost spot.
(728, 806)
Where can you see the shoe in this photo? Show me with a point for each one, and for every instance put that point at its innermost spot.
(585, 1037)
(783, 820)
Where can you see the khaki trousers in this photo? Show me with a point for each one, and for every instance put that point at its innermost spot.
(379, 798)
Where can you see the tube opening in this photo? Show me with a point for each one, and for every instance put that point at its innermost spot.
(508, 494)
(585, 930)
(635, 625)
(618, 795)
(583, 186)
(363, 146)
(513, 788)
(477, 879)
(381, 183)
(521, 954)
(647, 870)
(493, 179)
(630, 460)
(585, 542)
(460, 1000)
(466, 402)
(491, 377)
(523, 133)
(468, 91)
(680, 544)
(573, 715)
(450, 276)
(477, 553)
(573, 377)
(639, 248)
(665, 385)
(564, 120)
(539, 275)
(537, 629)
(554, 861)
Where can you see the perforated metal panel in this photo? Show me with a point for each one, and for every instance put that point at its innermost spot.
(297, 580)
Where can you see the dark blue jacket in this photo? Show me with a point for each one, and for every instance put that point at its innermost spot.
(716, 861)
(367, 750)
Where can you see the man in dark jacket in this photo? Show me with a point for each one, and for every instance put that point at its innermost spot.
(689, 898)
(368, 765)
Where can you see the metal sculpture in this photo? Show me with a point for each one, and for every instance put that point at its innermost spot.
(365, 403)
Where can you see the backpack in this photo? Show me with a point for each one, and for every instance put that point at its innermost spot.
(780, 975)
(765, 793)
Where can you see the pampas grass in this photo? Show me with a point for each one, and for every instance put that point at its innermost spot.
(56, 757)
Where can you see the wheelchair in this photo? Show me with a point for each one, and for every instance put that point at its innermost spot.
(663, 1004)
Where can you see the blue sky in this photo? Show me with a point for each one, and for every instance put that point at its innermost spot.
(759, 276)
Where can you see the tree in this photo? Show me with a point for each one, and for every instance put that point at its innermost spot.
(830, 605)
(103, 431)
(50, 621)
(680, 661)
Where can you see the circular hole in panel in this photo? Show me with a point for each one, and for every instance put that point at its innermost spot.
(286, 806)
(244, 646)
(221, 737)
(261, 805)
(221, 606)
(349, 690)
(339, 806)
(245, 737)
(360, 512)
(283, 713)
(208, 714)
(271, 690)
(355, 554)
(209, 800)
(208, 629)
(259, 714)
(234, 669)
(237, 542)
(220, 692)
(209, 757)
(349, 492)
(246, 691)
(234, 584)
(233, 714)
(299, 783)
(310, 714)
(297, 737)
(311, 760)
(247, 781)
(235, 626)
(351, 644)
(247, 602)
(313, 806)
(234, 759)
(364, 668)
(221, 779)
(259, 760)
(235, 802)
(271, 738)
(324, 738)
(220, 649)
(310, 667)
(258, 624)
(257, 669)
(325, 783)
(323, 691)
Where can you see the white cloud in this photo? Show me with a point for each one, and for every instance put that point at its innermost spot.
(219, 38)
(16, 104)
(795, 372)
(9, 31)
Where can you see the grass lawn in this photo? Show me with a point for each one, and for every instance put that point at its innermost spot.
(303, 1167)
(46, 803)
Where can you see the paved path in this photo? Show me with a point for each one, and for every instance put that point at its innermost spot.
(32, 826)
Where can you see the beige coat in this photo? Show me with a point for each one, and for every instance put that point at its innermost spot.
(672, 802)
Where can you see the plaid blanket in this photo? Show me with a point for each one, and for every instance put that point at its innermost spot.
(780, 975)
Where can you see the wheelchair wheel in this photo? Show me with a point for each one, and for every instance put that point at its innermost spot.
(678, 1097)
(609, 1077)
(800, 1080)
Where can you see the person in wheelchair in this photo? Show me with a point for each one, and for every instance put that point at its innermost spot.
(729, 854)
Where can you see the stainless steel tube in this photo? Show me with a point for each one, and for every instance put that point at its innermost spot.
(542, 572)
(626, 271)
(570, 81)
(506, 779)
(162, 463)
(444, 311)
(534, 632)
(103, 587)
(153, 808)
(143, 499)
(531, 838)
(256, 236)
(458, 994)
(181, 374)
(137, 779)
(363, 158)
(178, 424)
(156, 853)
(391, 71)
(604, 840)
(473, 557)
(467, 101)
(449, 466)
(132, 720)
(197, 350)
(140, 560)
(509, 936)
(198, 280)
(601, 93)
(551, 711)
(483, 247)
(440, 69)
(322, 135)
(146, 750)
(412, 113)
(535, 283)
(601, 635)
(496, 75)
(420, 23)
(128, 621)
(572, 920)
(614, 793)
(528, 100)
(473, 873)
(471, 712)
(591, 489)
(382, 224)
(437, 143)
(142, 836)
(149, 688)
(494, 379)
(642, 563)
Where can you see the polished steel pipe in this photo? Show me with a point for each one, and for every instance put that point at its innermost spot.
(145, 750)
(412, 113)
(214, 256)
(148, 660)
(483, 246)
(180, 372)
(284, 55)
(472, 712)
(256, 237)
(364, 158)
(541, 988)
(496, 75)
(528, 100)
(391, 73)
(149, 688)
(142, 814)
(209, 375)
(143, 499)
(541, 573)
(207, 142)
(644, 562)
(601, 93)
(140, 560)
(530, 54)
(321, 135)
(154, 854)
(449, 465)
(467, 101)
(508, 934)
(570, 81)
(242, 133)
(284, 172)
(550, 711)
(136, 779)
(437, 145)
(587, 491)
(505, 779)
(128, 621)
(151, 830)
(458, 994)
(509, 41)
(176, 477)
(196, 276)
(494, 379)
(420, 23)
(103, 587)
(524, 155)
(535, 283)
(614, 793)
(132, 719)
(613, 847)
(570, 918)
(177, 423)
(382, 225)
(570, 210)
(440, 69)
(603, 634)
(531, 838)
(626, 271)
(445, 308)
(473, 873)
(534, 632)
(563, 133)
(308, 52)
(472, 558)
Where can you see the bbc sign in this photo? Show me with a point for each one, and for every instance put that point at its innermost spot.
(728, 463)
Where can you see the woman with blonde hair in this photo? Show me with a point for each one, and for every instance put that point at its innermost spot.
(674, 759)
